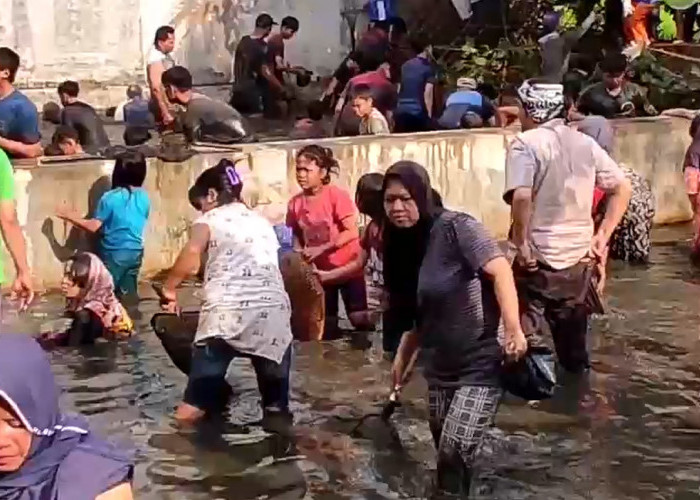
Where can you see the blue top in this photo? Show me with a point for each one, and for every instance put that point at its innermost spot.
(19, 120)
(382, 10)
(123, 214)
(415, 75)
(465, 101)
(137, 113)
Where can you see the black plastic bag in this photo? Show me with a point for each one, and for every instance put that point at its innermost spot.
(532, 377)
(176, 333)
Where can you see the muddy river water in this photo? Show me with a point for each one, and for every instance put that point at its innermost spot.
(627, 431)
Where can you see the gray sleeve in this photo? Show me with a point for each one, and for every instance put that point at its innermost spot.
(521, 164)
(476, 245)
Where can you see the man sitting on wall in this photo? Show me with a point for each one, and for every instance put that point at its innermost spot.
(204, 119)
(82, 117)
(136, 115)
(19, 120)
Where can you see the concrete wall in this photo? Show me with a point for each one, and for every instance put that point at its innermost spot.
(105, 42)
(466, 167)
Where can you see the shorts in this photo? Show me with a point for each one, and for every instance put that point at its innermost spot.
(692, 180)
(208, 390)
(354, 293)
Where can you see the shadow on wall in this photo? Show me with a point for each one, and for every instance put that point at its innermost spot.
(77, 240)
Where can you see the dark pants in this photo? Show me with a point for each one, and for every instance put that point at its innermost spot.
(354, 293)
(556, 299)
(408, 123)
(208, 390)
(124, 266)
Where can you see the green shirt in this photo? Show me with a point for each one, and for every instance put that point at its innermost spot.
(7, 193)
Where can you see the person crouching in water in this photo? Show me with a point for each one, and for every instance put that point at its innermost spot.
(324, 221)
(245, 311)
(453, 287)
(91, 303)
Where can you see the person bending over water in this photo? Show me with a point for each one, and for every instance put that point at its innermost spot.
(120, 219)
(91, 303)
(324, 221)
(447, 275)
(46, 454)
(245, 311)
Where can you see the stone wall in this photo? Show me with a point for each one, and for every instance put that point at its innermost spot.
(466, 167)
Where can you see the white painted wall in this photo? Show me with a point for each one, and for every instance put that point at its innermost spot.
(105, 40)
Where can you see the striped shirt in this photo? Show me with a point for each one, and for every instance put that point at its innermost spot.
(458, 315)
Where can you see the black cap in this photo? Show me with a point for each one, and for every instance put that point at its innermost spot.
(264, 21)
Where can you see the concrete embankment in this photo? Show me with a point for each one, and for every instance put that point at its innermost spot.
(466, 167)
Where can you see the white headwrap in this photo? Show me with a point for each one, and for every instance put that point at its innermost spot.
(542, 101)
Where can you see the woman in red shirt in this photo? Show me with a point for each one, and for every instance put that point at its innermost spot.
(323, 218)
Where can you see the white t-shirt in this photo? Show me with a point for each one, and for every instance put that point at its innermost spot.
(156, 56)
(245, 302)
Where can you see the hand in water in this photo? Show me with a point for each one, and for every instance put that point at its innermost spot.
(515, 345)
(22, 291)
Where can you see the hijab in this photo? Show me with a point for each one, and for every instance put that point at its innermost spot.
(404, 248)
(65, 459)
(99, 295)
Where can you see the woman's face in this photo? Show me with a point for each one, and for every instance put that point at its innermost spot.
(69, 288)
(399, 205)
(15, 440)
(309, 174)
(208, 202)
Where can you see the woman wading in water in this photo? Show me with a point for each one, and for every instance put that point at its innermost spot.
(245, 312)
(451, 281)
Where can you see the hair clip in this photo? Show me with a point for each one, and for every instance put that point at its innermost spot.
(233, 176)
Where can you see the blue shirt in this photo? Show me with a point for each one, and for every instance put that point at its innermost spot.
(415, 75)
(382, 10)
(123, 214)
(462, 102)
(137, 114)
(19, 120)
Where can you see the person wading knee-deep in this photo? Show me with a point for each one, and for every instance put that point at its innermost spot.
(246, 311)
(324, 221)
(452, 285)
(551, 171)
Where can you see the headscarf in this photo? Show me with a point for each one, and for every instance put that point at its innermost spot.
(542, 101)
(404, 248)
(65, 459)
(99, 295)
(466, 83)
(598, 128)
(550, 22)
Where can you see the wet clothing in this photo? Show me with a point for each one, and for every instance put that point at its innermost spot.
(19, 119)
(631, 240)
(209, 120)
(208, 390)
(7, 193)
(123, 213)
(84, 119)
(459, 420)
(124, 266)
(416, 74)
(631, 101)
(462, 102)
(561, 166)
(249, 82)
(66, 460)
(374, 124)
(275, 48)
(459, 318)
(244, 300)
(98, 296)
(354, 294)
(316, 220)
(371, 243)
(554, 300)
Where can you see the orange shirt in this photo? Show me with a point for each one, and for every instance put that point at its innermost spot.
(316, 220)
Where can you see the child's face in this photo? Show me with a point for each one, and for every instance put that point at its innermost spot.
(309, 174)
(208, 202)
(362, 107)
(69, 288)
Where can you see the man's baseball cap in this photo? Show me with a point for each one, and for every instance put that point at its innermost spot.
(264, 21)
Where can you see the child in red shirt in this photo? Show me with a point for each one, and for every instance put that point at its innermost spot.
(323, 218)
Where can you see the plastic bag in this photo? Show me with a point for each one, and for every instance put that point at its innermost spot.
(532, 377)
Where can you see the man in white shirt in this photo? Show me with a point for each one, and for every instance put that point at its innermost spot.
(158, 62)
(551, 171)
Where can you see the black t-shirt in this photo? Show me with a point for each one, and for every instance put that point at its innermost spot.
(85, 120)
(458, 315)
(275, 47)
(251, 54)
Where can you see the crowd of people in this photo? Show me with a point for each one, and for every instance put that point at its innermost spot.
(435, 277)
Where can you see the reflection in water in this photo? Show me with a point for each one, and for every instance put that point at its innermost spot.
(628, 431)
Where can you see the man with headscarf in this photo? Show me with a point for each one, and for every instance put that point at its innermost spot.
(551, 170)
